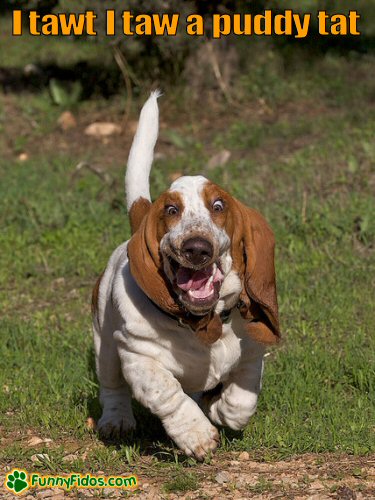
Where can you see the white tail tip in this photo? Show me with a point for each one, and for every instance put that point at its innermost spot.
(142, 151)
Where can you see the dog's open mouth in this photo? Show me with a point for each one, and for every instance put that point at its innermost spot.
(198, 288)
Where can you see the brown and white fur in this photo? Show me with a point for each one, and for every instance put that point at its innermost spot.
(159, 330)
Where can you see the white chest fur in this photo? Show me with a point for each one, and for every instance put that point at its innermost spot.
(148, 332)
(196, 366)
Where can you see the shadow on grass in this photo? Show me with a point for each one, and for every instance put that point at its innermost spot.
(149, 428)
(149, 438)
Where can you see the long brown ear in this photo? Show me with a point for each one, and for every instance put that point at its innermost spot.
(145, 261)
(137, 212)
(259, 298)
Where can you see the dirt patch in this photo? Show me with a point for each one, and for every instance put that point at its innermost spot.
(107, 152)
(235, 475)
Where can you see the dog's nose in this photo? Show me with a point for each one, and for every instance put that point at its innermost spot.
(197, 251)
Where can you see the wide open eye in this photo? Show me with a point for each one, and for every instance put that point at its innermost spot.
(171, 210)
(218, 206)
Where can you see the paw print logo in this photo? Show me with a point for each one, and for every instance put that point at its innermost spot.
(16, 481)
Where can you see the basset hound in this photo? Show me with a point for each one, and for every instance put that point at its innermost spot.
(184, 309)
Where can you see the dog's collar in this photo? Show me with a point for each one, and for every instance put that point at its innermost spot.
(224, 316)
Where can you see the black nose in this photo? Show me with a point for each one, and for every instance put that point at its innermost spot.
(197, 251)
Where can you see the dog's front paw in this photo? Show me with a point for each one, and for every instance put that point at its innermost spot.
(115, 425)
(195, 440)
(231, 413)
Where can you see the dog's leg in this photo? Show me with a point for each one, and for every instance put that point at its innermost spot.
(238, 399)
(158, 390)
(117, 418)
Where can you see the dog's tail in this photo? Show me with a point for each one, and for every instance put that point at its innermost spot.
(137, 184)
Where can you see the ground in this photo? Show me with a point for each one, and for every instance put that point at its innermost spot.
(296, 142)
(234, 475)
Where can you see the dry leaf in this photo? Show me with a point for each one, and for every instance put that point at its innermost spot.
(219, 159)
(91, 424)
(66, 120)
(244, 456)
(36, 440)
(102, 129)
(40, 458)
(174, 176)
(23, 157)
(223, 477)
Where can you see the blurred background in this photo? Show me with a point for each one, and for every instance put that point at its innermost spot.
(285, 125)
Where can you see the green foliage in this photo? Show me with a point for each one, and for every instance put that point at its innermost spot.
(146, 55)
(39, 5)
(64, 95)
(365, 8)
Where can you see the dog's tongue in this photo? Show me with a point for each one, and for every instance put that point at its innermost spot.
(188, 279)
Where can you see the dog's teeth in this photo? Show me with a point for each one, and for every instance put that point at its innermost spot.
(209, 283)
(214, 268)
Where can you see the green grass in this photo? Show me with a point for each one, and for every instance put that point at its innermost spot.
(63, 51)
(262, 486)
(182, 481)
(308, 168)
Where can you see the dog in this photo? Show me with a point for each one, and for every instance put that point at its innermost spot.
(185, 308)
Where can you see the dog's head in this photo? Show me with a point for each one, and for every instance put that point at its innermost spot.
(195, 245)
(194, 249)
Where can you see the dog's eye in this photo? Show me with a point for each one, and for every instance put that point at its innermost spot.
(171, 210)
(218, 206)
